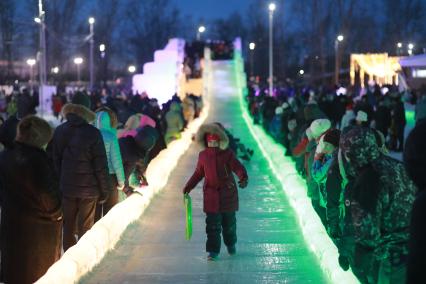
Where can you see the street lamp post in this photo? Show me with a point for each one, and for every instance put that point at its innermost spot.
(78, 61)
(92, 34)
(272, 8)
(31, 62)
(398, 48)
(339, 39)
(42, 52)
(102, 49)
(410, 48)
(252, 46)
(201, 29)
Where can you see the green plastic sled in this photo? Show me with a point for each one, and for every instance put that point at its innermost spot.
(188, 212)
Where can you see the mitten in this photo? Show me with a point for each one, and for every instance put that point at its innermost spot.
(344, 262)
(243, 183)
(186, 191)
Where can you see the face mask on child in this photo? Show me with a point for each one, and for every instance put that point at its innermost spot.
(212, 140)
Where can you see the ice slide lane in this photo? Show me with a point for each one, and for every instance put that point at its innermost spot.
(271, 248)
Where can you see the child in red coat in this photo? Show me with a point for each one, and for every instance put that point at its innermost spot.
(217, 164)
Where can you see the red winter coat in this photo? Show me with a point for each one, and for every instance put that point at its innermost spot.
(220, 190)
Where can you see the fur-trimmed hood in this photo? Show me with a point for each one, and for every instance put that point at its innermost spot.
(79, 110)
(212, 128)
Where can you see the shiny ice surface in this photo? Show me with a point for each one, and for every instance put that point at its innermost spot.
(270, 247)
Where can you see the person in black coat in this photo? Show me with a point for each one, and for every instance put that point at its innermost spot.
(398, 124)
(80, 160)
(415, 164)
(25, 106)
(383, 118)
(135, 152)
(31, 213)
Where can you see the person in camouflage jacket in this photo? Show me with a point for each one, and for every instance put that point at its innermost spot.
(381, 199)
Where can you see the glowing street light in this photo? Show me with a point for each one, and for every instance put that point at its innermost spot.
(410, 48)
(399, 48)
(31, 61)
(92, 35)
(339, 39)
(102, 47)
(78, 61)
(55, 70)
(252, 46)
(271, 8)
(201, 29)
(301, 72)
(132, 69)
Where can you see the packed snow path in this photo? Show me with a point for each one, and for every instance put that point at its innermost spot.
(270, 247)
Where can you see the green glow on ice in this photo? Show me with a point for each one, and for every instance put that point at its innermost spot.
(294, 186)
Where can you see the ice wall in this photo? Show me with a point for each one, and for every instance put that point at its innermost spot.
(160, 78)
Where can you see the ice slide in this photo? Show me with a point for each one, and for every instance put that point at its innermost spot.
(271, 247)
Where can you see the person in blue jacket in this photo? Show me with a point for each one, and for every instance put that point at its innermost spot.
(106, 122)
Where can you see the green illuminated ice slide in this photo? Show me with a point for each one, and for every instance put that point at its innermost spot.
(280, 239)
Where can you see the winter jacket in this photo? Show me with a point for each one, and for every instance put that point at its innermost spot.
(216, 166)
(134, 123)
(135, 154)
(174, 123)
(319, 171)
(8, 132)
(347, 118)
(31, 214)
(382, 196)
(399, 113)
(385, 228)
(420, 112)
(383, 118)
(109, 136)
(312, 112)
(415, 163)
(335, 200)
(26, 104)
(132, 156)
(320, 168)
(417, 245)
(313, 187)
(79, 155)
(275, 128)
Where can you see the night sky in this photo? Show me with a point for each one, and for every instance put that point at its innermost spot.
(210, 9)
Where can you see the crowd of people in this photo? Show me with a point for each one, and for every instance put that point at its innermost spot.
(56, 183)
(363, 197)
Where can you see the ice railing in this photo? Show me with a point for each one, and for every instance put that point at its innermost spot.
(294, 187)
